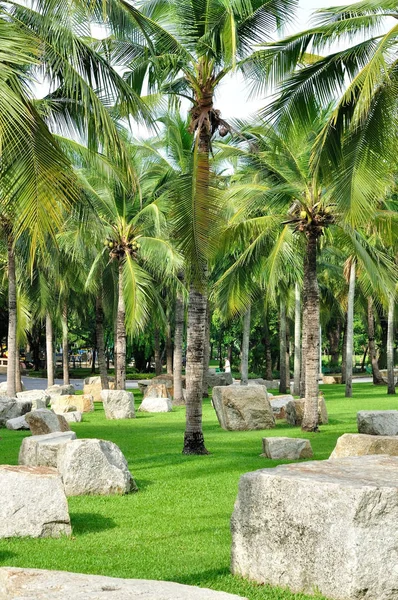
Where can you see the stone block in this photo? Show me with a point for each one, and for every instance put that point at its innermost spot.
(60, 390)
(44, 421)
(285, 448)
(42, 450)
(279, 403)
(157, 390)
(359, 444)
(73, 417)
(295, 411)
(118, 404)
(219, 379)
(156, 405)
(11, 408)
(17, 423)
(378, 422)
(38, 398)
(331, 379)
(95, 389)
(243, 408)
(63, 404)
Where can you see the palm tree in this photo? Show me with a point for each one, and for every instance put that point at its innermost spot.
(390, 346)
(350, 328)
(245, 347)
(297, 338)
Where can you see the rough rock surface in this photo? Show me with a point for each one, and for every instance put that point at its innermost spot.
(11, 408)
(219, 379)
(3, 388)
(378, 422)
(94, 467)
(60, 390)
(118, 404)
(360, 444)
(279, 403)
(73, 416)
(157, 390)
(295, 411)
(35, 584)
(327, 525)
(156, 405)
(279, 448)
(42, 450)
(95, 389)
(243, 408)
(331, 379)
(43, 421)
(32, 503)
(39, 398)
(64, 404)
(17, 423)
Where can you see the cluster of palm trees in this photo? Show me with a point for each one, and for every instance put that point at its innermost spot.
(204, 212)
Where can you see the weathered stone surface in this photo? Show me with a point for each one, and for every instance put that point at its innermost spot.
(359, 444)
(17, 423)
(11, 408)
(64, 404)
(60, 390)
(94, 467)
(243, 408)
(43, 421)
(42, 450)
(35, 584)
(63, 423)
(328, 525)
(3, 388)
(118, 404)
(73, 417)
(219, 379)
(156, 405)
(279, 403)
(95, 389)
(39, 398)
(331, 379)
(295, 411)
(32, 503)
(259, 381)
(157, 390)
(279, 448)
(378, 422)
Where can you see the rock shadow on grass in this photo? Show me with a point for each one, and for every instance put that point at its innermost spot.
(85, 522)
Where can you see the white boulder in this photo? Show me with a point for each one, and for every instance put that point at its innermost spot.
(70, 403)
(42, 450)
(378, 422)
(17, 423)
(39, 398)
(285, 448)
(11, 408)
(360, 444)
(73, 417)
(60, 390)
(118, 404)
(279, 404)
(156, 405)
(243, 408)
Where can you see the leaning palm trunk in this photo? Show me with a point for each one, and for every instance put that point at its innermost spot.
(390, 347)
(49, 350)
(350, 332)
(297, 339)
(177, 358)
(282, 347)
(311, 335)
(377, 376)
(12, 320)
(245, 348)
(120, 346)
(206, 353)
(65, 345)
(99, 327)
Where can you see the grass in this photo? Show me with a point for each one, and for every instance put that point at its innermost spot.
(177, 526)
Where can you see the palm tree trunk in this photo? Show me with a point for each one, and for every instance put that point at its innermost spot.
(158, 358)
(177, 359)
(344, 352)
(49, 350)
(18, 380)
(120, 346)
(377, 376)
(268, 355)
(350, 332)
(311, 336)
(245, 348)
(65, 345)
(297, 339)
(169, 351)
(206, 355)
(99, 327)
(12, 319)
(282, 347)
(287, 354)
(390, 347)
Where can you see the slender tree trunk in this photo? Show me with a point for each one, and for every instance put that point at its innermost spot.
(311, 335)
(158, 358)
(99, 327)
(18, 379)
(12, 320)
(282, 347)
(93, 359)
(287, 354)
(245, 348)
(178, 339)
(49, 350)
(365, 354)
(334, 335)
(120, 346)
(344, 352)
(169, 351)
(65, 345)
(383, 320)
(350, 332)
(390, 347)
(206, 355)
(297, 339)
(377, 376)
(268, 355)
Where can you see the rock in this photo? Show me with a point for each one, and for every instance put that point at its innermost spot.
(73, 417)
(219, 379)
(330, 526)
(279, 448)
(95, 389)
(39, 398)
(3, 388)
(157, 390)
(63, 423)
(118, 404)
(43, 421)
(359, 444)
(11, 408)
(243, 408)
(331, 379)
(17, 423)
(64, 404)
(94, 467)
(35, 584)
(60, 390)
(32, 503)
(156, 405)
(295, 411)
(378, 422)
(259, 381)
(42, 450)
(279, 403)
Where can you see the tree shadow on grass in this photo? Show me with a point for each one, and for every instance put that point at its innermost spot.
(5, 555)
(83, 522)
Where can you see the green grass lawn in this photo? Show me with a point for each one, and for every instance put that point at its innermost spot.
(177, 526)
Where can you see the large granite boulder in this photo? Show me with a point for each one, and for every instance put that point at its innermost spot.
(32, 503)
(94, 467)
(378, 422)
(295, 411)
(118, 404)
(42, 450)
(71, 403)
(93, 387)
(331, 379)
(60, 390)
(330, 526)
(17, 424)
(359, 444)
(74, 416)
(38, 398)
(285, 448)
(163, 379)
(34, 584)
(43, 421)
(243, 408)
(219, 379)
(279, 404)
(156, 405)
(11, 408)
(157, 390)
